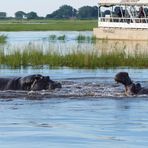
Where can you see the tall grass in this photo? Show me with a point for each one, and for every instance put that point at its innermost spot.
(62, 37)
(3, 38)
(55, 38)
(93, 39)
(33, 56)
(82, 38)
(52, 37)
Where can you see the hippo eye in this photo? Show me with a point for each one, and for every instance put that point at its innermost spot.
(38, 77)
(42, 77)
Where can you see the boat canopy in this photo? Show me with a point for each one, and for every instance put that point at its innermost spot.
(123, 2)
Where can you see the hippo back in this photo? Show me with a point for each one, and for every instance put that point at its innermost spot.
(9, 83)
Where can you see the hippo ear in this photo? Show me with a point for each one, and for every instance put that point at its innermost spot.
(126, 74)
(47, 78)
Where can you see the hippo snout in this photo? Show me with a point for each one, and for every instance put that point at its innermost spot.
(116, 79)
(54, 85)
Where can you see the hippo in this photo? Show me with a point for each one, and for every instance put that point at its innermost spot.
(34, 82)
(131, 88)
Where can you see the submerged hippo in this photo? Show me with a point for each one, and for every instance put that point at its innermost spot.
(130, 87)
(28, 83)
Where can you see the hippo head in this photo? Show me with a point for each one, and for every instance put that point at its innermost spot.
(123, 77)
(26, 82)
(38, 82)
(44, 83)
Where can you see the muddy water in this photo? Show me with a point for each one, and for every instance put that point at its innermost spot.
(90, 110)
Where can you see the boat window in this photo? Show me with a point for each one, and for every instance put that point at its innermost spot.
(124, 13)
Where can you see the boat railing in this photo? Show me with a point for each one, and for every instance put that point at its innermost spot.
(123, 20)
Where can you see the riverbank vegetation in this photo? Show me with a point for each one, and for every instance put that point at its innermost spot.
(3, 38)
(80, 38)
(64, 18)
(45, 25)
(32, 56)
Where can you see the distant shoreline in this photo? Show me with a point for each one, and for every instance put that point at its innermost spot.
(47, 25)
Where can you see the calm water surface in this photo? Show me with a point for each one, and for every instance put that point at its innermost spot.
(40, 40)
(84, 122)
(74, 123)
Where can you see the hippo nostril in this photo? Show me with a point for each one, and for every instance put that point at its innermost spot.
(54, 85)
(59, 85)
(116, 79)
(51, 86)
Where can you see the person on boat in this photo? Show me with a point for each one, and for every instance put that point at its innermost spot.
(119, 12)
(141, 14)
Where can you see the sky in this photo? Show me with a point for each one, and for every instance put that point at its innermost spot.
(42, 7)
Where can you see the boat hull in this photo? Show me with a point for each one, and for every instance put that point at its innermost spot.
(121, 33)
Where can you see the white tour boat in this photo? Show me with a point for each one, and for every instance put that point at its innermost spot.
(122, 20)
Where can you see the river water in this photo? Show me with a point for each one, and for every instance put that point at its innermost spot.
(90, 110)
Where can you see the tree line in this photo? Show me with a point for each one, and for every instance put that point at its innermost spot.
(64, 12)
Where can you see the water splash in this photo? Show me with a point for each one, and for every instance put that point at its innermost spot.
(70, 89)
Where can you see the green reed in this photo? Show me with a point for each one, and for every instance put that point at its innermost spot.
(34, 56)
(82, 38)
(62, 37)
(3, 38)
(55, 38)
(93, 39)
(52, 37)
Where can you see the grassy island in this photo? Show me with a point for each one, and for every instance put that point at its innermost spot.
(45, 25)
